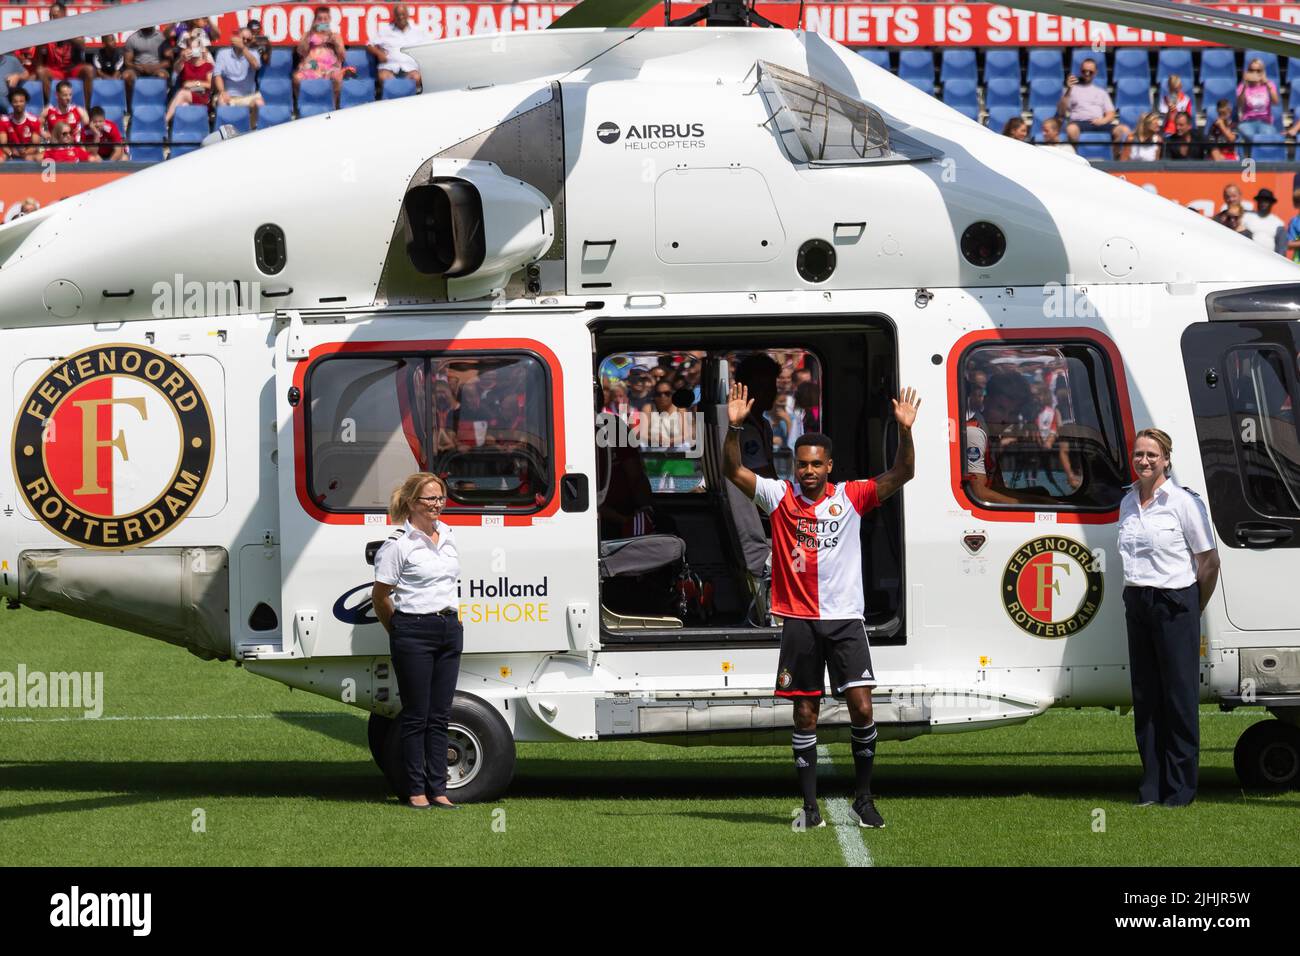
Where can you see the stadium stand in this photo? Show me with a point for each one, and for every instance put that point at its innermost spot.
(1002, 91)
(279, 66)
(149, 91)
(876, 56)
(1174, 60)
(916, 66)
(1217, 63)
(398, 87)
(189, 126)
(957, 63)
(236, 116)
(108, 93)
(273, 115)
(316, 96)
(356, 92)
(148, 128)
(359, 60)
(35, 96)
(1132, 64)
(1001, 63)
(277, 90)
(1045, 65)
(1083, 53)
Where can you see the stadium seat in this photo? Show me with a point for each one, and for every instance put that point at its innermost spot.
(1218, 88)
(273, 114)
(1044, 93)
(1083, 53)
(916, 66)
(356, 92)
(1270, 64)
(1045, 65)
(147, 127)
(1130, 116)
(957, 63)
(189, 126)
(78, 92)
(1133, 93)
(1270, 152)
(35, 96)
(236, 116)
(359, 59)
(1218, 62)
(315, 96)
(398, 87)
(117, 116)
(1041, 113)
(1293, 97)
(1002, 63)
(968, 110)
(876, 56)
(1002, 91)
(279, 66)
(108, 93)
(1175, 60)
(149, 91)
(277, 90)
(1132, 63)
(1094, 144)
(961, 95)
(1292, 70)
(998, 116)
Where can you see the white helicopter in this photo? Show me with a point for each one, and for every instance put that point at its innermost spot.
(207, 416)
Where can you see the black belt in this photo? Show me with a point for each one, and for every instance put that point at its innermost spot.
(445, 612)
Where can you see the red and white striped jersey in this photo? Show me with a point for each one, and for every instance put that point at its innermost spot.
(816, 551)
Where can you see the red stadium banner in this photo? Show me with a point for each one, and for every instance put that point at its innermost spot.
(856, 24)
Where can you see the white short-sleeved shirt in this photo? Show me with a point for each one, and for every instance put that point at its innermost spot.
(816, 550)
(1157, 542)
(423, 575)
(391, 40)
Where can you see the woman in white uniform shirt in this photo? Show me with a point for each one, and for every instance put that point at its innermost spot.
(416, 574)
(1170, 570)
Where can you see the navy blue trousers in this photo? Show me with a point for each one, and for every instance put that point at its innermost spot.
(426, 659)
(1164, 650)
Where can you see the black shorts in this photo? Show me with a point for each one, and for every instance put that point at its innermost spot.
(809, 648)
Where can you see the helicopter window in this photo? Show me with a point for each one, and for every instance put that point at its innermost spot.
(822, 126)
(1041, 428)
(1264, 423)
(479, 420)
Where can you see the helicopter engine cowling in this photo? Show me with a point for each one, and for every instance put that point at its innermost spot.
(474, 226)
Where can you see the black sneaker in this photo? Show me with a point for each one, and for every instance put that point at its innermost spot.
(812, 820)
(865, 808)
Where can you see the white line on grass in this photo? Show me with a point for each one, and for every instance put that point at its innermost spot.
(846, 826)
(95, 720)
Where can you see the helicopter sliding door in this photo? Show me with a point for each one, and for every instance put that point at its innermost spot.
(1242, 380)
(482, 401)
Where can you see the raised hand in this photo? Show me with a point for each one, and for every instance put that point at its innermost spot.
(738, 403)
(905, 407)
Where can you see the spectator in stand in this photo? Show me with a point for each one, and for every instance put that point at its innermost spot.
(1256, 97)
(1144, 144)
(29, 205)
(109, 61)
(1174, 101)
(105, 133)
(1292, 251)
(191, 33)
(1231, 216)
(1231, 194)
(1088, 106)
(195, 77)
(147, 54)
(64, 111)
(13, 70)
(321, 55)
(1185, 143)
(387, 45)
(234, 76)
(260, 41)
(64, 60)
(1052, 136)
(1016, 128)
(1223, 135)
(23, 133)
(65, 148)
(1261, 223)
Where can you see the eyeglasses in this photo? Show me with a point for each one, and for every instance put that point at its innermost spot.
(1087, 72)
(1145, 455)
(433, 499)
(663, 394)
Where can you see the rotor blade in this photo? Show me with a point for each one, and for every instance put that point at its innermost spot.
(1183, 19)
(116, 19)
(603, 13)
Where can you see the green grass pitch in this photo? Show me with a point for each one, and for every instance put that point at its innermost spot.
(284, 777)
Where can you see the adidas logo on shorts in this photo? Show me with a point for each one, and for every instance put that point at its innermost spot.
(800, 762)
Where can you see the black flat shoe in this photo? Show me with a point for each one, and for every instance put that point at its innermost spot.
(419, 806)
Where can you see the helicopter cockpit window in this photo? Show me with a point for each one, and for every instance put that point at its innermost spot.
(821, 126)
(1041, 428)
(479, 420)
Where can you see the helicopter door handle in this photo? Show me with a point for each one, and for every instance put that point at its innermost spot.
(1261, 534)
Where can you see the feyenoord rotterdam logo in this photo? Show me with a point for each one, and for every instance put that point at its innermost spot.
(113, 446)
(1052, 587)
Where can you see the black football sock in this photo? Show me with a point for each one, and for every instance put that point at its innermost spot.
(805, 765)
(862, 741)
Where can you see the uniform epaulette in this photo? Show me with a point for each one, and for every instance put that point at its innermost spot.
(1189, 491)
(396, 533)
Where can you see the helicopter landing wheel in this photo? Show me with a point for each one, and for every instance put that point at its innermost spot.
(1267, 756)
(480, 752)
